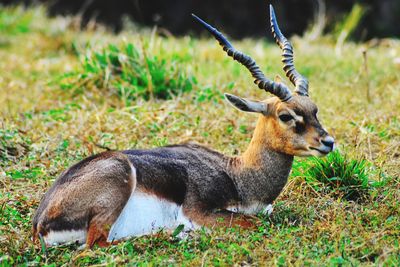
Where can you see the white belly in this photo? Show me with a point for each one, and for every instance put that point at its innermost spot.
(145, 214)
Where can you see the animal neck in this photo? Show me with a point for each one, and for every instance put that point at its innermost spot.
(261, 171)
(263, 145)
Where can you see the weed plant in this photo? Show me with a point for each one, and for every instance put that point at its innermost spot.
(129, 73)
(338, 175)
(16, 20)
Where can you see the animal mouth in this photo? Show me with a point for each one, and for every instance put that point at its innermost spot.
(325, 152)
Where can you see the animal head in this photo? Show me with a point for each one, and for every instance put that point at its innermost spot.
(288, 122)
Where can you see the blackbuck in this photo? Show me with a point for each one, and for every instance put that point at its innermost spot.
(115, 195)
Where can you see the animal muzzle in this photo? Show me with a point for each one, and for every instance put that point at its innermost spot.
(327, 144)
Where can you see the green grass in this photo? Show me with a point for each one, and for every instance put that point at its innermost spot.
(16, 20)
(129, 73)
(338, 175)
(318, 220)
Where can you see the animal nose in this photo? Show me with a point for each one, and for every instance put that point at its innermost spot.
(328, 141)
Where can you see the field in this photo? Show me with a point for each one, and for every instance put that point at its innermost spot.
(67, 93)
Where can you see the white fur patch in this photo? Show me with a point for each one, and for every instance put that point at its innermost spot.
(54, 238)
(145, 214)
(133, 176)
(252, 209)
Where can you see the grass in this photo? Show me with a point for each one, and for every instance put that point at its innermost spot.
(45, 128)
(339, 176)
(16, 20)
(129, 74)
(13, 145)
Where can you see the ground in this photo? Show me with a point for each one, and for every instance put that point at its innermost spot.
(50, 120)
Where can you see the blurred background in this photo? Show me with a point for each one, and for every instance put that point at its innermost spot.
(239, 18)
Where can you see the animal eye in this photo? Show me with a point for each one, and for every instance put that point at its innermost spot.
(285, 117)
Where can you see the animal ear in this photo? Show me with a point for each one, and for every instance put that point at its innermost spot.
(246, 105)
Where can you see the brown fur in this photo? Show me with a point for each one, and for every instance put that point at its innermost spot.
(272, 134)
(87, 196)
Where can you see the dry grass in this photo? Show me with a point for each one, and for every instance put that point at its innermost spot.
(44, 129)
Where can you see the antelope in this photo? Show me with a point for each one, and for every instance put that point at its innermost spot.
(115, 195)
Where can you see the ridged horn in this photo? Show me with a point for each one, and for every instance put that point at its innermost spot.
(276, 88)
(296, 78)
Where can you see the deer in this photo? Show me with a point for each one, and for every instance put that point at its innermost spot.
(112, 196)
